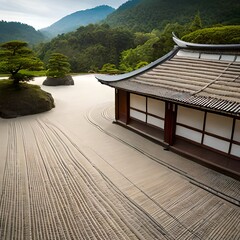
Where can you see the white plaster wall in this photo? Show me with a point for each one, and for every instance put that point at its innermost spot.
(155, 121)
(229, 58)
(189, 134)
(219, 125)
(190, 117)
(235, 150)
(238, 59)
(210, 56)
(184, 53)
(236, 135)
(216, 143)
(138, 102)
(156, 107)
(138, 115)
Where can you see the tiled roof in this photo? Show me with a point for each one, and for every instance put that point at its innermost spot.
(197, 77)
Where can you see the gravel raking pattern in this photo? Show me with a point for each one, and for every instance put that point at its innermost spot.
(50, 190)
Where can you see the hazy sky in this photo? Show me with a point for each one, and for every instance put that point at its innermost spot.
(43, 13)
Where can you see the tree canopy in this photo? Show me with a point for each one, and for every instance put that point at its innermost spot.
(16, 56)
(215, 35)
(146, 15)
(58, 65)
(90, 47)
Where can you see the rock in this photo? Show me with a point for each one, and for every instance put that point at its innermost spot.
(25, 100)
(50, 81)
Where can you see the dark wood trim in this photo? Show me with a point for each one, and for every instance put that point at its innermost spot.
(218, 137)
(116, 104)
(189, 127)
(153, 115)
(128, 107)
(210, 161)
(154, 126)
(136, 119)
(138, 110)
(145, 124)
(235, 142)
(123, 106)
(232, 134)
(170, 122)
(208, 148)
(147, 129)
(204, 126)
(146, 108)
(148, 114)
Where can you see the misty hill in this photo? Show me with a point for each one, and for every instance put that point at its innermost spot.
(73, 21)
(18, 31)
(145, 15)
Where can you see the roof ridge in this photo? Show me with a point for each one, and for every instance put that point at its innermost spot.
(183, 44)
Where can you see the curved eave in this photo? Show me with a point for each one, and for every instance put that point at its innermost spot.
(182, 44)
(104, 78)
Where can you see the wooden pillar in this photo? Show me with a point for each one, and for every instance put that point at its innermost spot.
(122, 106)
(170, 123)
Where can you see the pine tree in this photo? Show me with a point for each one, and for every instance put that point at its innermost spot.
(16, 56)
(58, 65)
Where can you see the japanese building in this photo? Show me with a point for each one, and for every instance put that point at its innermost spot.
(188, 101)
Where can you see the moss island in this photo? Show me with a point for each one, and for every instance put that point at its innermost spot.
(23, 99)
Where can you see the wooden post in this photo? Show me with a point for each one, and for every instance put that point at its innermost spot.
(170, 123)
(122, 106)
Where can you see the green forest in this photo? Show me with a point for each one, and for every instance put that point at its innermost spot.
(18, 31)
(145, 15)
(100, 48)
(139, 32)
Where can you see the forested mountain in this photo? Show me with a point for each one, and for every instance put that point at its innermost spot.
(19, 31)
(89, 47)
(75, 20)
(139, 32)
(100, 48)
(145, 15)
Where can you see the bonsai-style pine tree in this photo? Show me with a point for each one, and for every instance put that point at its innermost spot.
(58, 65)
(16, 56)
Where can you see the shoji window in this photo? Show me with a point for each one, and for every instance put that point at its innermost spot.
(218, 132)
(190, 124)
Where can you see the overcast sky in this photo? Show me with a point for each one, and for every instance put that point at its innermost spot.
(43, 13)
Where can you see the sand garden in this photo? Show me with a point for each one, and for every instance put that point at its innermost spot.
(71, 173)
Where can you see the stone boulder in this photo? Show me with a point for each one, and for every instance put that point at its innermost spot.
(50, 81)
(24, 99)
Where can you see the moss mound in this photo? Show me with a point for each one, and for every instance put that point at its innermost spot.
(23, 99)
